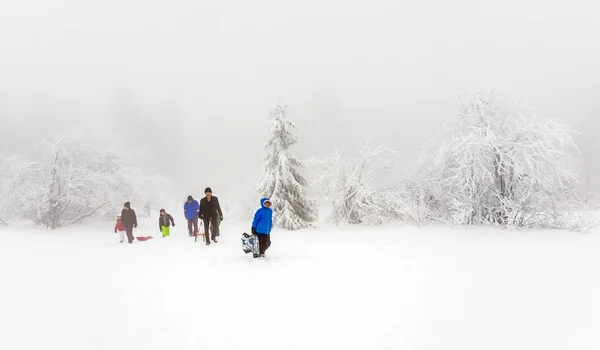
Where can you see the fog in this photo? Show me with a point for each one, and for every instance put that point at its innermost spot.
(192, 82)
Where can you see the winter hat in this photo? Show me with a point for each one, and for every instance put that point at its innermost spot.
(190, 198)
(127, 205)
(208, 190)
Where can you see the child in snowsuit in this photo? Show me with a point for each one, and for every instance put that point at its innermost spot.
(120, 228)
(164, 222)
(261, 226)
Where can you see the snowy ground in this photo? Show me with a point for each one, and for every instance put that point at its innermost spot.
(359, 288)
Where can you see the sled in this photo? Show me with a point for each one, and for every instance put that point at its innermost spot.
(250, 244)
(142, 238)
(200, 232)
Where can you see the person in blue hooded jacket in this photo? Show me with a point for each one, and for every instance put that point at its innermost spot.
(190, 209)
(262, 224)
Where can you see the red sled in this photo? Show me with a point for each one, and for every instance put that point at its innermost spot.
(200, 233)
(142, 238)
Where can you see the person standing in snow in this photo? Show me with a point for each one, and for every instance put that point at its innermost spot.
(164, 222)
(262, 224)
(129, 220)
(191, 209)
(120, 228)
(211, 214)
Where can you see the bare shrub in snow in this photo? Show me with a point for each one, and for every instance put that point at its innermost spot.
(281, 180)
(350, 185)
(499, 163)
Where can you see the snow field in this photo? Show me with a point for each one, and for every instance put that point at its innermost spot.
(329, 288)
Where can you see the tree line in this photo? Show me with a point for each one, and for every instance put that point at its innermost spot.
(495, 162)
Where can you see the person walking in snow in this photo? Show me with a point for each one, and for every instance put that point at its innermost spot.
(211, 215)
(129, 220)
(164, 222)
(191, 209)
(262, 224)
(120, 229)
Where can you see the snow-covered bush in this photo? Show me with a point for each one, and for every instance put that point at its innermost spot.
(9, 170)
(355, 187)
(72, 181)
(500, 163)
(420, 197)
(281, 180)
(591, 176)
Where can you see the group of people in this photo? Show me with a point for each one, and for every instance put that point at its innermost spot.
(208, 210)
(126, 222)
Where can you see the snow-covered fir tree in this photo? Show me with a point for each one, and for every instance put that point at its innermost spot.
(281, 180)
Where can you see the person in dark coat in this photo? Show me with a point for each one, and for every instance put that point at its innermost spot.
(211, 215)
(262, 224)
(191, 209)
(129, 220)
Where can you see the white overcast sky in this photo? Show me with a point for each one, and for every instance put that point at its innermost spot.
(208, 71)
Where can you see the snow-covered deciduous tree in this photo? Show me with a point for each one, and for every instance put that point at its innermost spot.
(281, 180)
(354, 186)
(500, 163)
(73, 181)
(69, 184)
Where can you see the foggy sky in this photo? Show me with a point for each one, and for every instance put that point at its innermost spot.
(206, 73)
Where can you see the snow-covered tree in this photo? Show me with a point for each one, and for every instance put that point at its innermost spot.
(73, 181)
(500, 163)
(356, 188)
(281, 180)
